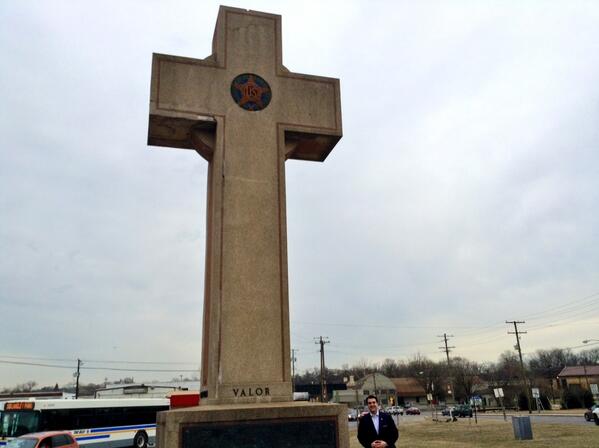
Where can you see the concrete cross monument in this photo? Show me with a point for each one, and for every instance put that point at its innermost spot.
(246, 114)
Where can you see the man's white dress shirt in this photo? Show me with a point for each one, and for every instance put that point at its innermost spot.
(375, 421)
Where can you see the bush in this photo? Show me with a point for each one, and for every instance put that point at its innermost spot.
(522, 402)
(571, 400)
(587, 399)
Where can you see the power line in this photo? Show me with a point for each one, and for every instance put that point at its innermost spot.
(38, 359)
(106, 361)
(592, 344)
(140, 370)
(583, 313)
(139, 362)
(410, 327)
(36, 364)
(568, 304)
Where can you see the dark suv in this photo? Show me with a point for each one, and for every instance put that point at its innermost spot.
(462, 410)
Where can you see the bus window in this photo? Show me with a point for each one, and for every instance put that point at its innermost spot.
(17, 423)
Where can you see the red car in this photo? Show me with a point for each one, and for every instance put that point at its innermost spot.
(49, 439)
(412, 411)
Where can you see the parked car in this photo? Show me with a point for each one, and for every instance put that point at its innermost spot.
(352, 415)
(49, 439)
(394, 410)
(412, 411)
(588, 414)
(462, 410)
(596, 415)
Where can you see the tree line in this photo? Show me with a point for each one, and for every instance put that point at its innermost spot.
(463, 377)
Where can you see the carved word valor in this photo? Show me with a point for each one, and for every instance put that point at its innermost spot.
(252, 392)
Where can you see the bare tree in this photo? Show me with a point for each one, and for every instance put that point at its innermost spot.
(466, 375)
(432, 376)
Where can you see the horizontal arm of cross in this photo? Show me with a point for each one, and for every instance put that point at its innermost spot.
(311, 116)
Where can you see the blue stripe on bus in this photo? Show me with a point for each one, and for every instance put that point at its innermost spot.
(117, 428)
(92, 437)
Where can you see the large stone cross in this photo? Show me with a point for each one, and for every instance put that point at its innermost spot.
(246, 114)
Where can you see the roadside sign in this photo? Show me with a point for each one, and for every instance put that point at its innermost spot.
(476, 401)
(535, 392)
(594, 389)
(498, 392)
(429, 397)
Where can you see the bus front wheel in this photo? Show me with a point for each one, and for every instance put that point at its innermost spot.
(140, 440)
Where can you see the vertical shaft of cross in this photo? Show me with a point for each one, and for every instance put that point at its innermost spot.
(246, 268)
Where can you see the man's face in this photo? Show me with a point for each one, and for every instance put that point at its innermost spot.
(372, 405)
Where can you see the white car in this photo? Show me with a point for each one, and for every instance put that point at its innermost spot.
(395, 410)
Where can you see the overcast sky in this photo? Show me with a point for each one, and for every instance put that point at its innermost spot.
(465, 190)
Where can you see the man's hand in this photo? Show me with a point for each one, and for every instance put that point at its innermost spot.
(379, 444)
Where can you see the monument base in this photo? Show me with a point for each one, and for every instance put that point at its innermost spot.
(285, 425)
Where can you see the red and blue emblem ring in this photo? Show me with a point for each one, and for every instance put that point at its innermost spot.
(251, 92)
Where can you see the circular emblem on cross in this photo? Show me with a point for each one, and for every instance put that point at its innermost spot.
(251, 92)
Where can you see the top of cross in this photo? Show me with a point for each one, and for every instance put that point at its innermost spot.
(245, 68)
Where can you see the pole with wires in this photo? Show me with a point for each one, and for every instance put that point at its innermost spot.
(77, 374)
(323, 391)
(519, 348)
(447, 349)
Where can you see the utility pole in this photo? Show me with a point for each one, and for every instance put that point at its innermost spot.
(293, 359)
(524, 378)
(447, 349)
(323, 390)
(77, 378)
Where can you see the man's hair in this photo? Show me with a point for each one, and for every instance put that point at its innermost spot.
(372, 396)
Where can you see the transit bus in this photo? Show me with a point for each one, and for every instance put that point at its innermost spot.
(94, 423)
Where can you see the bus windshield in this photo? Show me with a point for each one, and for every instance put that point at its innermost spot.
(17, 423)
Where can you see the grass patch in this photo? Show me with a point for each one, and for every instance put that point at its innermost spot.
(429, 434)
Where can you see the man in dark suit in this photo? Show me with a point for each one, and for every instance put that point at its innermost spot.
(376, 429)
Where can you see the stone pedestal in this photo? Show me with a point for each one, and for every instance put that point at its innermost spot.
(281, 425)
